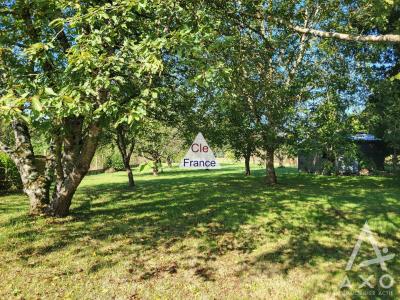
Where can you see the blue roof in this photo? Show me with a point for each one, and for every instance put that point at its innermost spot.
(364, 137)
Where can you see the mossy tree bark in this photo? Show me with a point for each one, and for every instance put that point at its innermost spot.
(69, 159)
(79, 148)
(34, 179)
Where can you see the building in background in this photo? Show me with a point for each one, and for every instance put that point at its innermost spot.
(372, 153)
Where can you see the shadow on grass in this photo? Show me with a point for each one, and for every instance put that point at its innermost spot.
(215, 206)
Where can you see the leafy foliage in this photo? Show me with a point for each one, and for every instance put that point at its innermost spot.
(382, 112)
(157, 142)
(9, 175)
(114, 160)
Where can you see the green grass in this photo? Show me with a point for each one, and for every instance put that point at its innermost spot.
(200, 235)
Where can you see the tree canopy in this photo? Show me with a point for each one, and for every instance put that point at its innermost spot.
(248, 73)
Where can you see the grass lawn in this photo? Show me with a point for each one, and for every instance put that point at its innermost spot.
(202, 235)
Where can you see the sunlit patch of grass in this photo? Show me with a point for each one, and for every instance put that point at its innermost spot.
(198, 234)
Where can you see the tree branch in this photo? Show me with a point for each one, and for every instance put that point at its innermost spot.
(89, 147)
(131, 148)
(380, 38)
(383, 38)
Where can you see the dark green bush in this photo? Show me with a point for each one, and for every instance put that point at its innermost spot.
(328, 167)
(9, 176)
(114, 160)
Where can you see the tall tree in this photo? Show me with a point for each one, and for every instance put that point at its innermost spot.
(269, 75)
(382, 115)
(63, 63)
(156, 142)
(125, 138)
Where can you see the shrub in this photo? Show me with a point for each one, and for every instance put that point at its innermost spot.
(328, 167)
(9, 175)
(114, 160)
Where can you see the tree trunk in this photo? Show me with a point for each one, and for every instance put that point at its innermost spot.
(247, 164)
(71, 166)
(169, 162)
(38, 197)
(67, 183)
(33, 179)
(156, 164)
(395, 160)
(128, 169)
(155, 171)
(280, 160)
(63, 198)
(122, 143)
(270, 169)
(34, 186)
